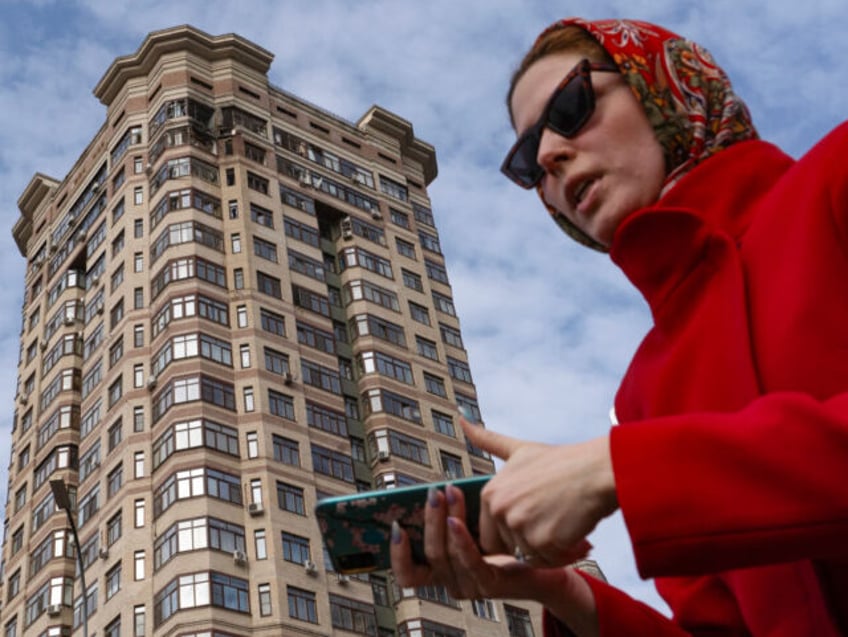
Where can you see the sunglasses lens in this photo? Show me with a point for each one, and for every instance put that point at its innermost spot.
(521, 165)
(571, 107)
(567, 112)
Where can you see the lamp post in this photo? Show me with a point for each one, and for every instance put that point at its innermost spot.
(60, 496)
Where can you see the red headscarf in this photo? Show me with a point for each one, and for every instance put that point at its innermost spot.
(688, 99)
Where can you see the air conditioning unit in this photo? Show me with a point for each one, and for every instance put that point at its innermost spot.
(43, 345)
(382, 455)
(305, 181)
(81, 235)
(310, 567)
(53, 248)
(54, 610)
(69, 320)
(151, 382)
(100, 308)
(95, 187)
(255, 508)
(376, 215)
(104, 553)
(240, 557)
(344, 579)
(288, 378)
(24, 398)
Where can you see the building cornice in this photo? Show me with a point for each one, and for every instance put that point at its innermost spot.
(380, 121)
(182, 38)
(39, 189)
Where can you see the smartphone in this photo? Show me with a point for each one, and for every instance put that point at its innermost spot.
(357, 527)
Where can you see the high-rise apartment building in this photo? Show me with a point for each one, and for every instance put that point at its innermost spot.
(235, 304)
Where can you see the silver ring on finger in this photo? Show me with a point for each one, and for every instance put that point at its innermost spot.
(521, 556)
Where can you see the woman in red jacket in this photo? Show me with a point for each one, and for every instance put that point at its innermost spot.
(733, 414)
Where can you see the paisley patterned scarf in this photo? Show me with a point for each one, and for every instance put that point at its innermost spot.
(688, 99)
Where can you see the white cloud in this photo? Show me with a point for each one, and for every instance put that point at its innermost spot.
(548, 325)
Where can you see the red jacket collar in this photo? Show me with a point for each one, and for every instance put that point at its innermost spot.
(658, 245)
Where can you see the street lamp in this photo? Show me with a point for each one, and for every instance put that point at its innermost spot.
(60, 496)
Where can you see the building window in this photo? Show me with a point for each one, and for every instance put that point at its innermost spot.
(518, 621)
(238, 279)
(419, 313)
(138, 375)
(138, 195)
(412, 280)
(405, 248)
(302, 604)
(116, 390)
(353, 615)
(459, 370)
(138, 565)
(290, 498)
(249, 404)
(443, 423)
(113, 628)
(332, 463)
(139, 514)
(235, 243)
(138, 228)
(113, 580)
(244, 353)
(138, 298)
(264, 600)
(138, 621)
(451, 466)
(427, 348)
(380, 590)
(295, 548)
(256, 491)
(252, 444)
(286, 450)
(281, 405)
(260, 544)
(115, 435)
(272, 322)
(201, 589)
(14, 586)
(241, 316)
(138, 464)
(138, 419)
(138, 336)
(435, 385)
(113, 529)
(114, 480)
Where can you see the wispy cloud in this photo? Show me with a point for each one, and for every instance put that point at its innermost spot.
(548, 325)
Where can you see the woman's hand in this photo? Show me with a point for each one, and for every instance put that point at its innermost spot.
(455, 562)
(546, 499)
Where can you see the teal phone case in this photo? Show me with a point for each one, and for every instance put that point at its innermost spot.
(357, 528)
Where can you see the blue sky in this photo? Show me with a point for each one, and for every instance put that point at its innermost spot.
(549, 326)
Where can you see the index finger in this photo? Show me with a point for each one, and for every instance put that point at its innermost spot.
(497, 444)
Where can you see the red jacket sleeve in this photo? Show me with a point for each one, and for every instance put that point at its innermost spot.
(618, 614)
(709, 492)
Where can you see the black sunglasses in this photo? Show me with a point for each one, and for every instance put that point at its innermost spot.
(567, 111)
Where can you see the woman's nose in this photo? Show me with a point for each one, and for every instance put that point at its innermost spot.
(554, 151)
